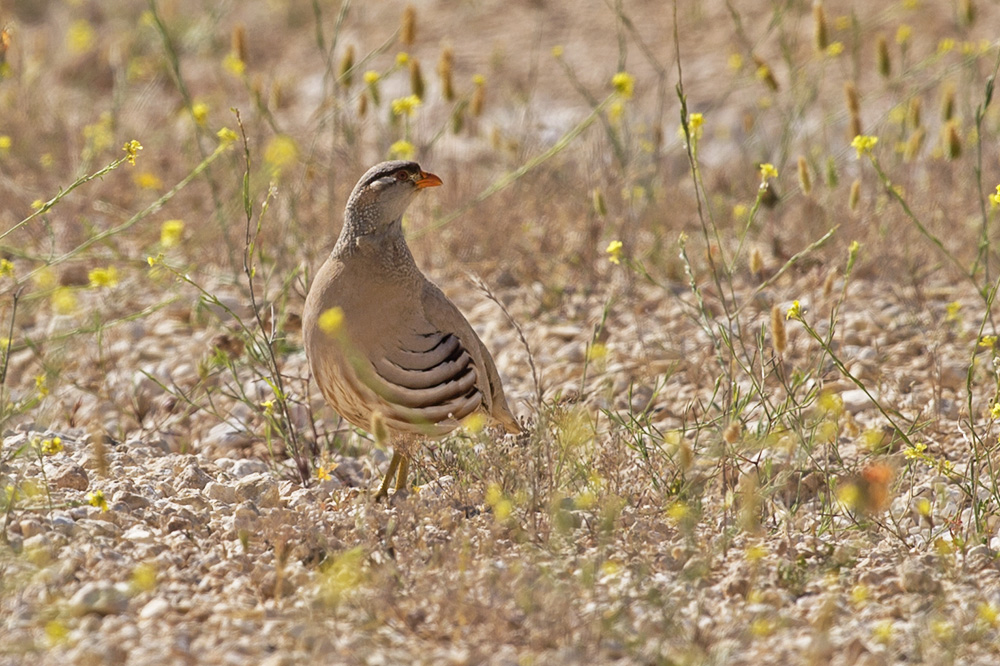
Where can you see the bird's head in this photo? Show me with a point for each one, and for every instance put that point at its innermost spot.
(382, 195)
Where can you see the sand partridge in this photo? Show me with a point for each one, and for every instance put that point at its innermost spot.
(384, 343)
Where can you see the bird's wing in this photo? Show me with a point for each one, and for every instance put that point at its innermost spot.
(442, 314)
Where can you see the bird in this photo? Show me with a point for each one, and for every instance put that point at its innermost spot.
(389, 351)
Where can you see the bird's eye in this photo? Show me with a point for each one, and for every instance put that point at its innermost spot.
(402, 175)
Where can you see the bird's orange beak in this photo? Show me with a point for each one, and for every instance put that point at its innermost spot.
(427, 180)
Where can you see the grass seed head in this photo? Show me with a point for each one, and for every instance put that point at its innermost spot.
(882, 59)
(478, 95)
(779, 334)
(765, 74)
(239, 42)
(952, 141)
(821, 36)
(445, 71)
(416, 78)
(948, 102)
(408, 26)
(913, 112)
(805, 179)
(914, 144)
(855, 196)
(756, 262)
(346, 69)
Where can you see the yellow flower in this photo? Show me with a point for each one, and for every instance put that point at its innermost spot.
(103, 277)
(557, 51)
(794, 311)
(695, 123)
(614, 251)
(226, 136)
(80, 37)
(995, 198)
(405, 106)
(835, 49)
(882, 633)
(199, 111)
(402, 58)
(952, 310)
(97, 499)
(615, 112)
(624, 84)
(903, 34)
(152, 261)
(64, 300)
(171, 233)
(43, 390)
(995, 411)
(988, 341)
(281, 151)
(147, 180)
(988, 613)
(478, 80)
(267, 406)
(6, 268)
(50, 447)
(474, 422)
(767, 171)
(5, 143)
(234, 65)
(98, 136)
(735, 62)
(740, 211)
(597, 352)
(864, 144)
(331, 320)
(402, 150)
(371, 77)
(132, 148)
(323, 471)
(945, 45)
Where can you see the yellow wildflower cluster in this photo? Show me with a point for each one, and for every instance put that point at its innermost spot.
(103, 277)
(405, 106)
(624, 84)
(864, 144)
(131, 149)
(171, 233)
(614, 251)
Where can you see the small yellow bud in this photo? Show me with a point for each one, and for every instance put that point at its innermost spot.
(614, 251)
(624, 84)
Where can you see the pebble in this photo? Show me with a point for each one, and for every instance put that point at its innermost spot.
(99, 597)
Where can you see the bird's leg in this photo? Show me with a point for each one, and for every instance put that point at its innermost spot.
(383, 490)
(404, 469)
